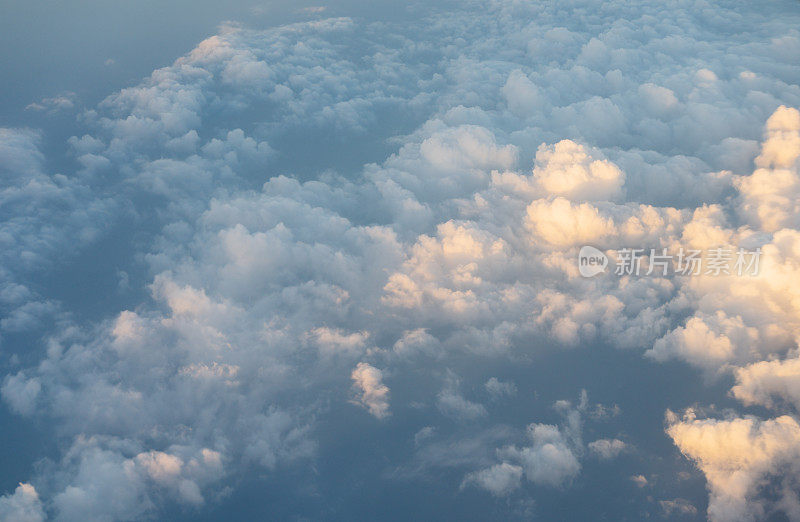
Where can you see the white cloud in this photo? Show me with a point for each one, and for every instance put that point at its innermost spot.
(770, 195)
(607, 449)
(739, 457)
(568, 169)
(52, 104)
(522, 95)
(374, 395)
(524, 135)
(499, 480)
(452, 403)
(764, 382)
(639, 480)
(22, 506)
(111, 486)
(498, 388)
(550, 460)
(21, 393)
(44, 221)
(677, 507)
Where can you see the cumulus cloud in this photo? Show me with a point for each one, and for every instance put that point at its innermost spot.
(63, 101)
(447, 238)
(677, 507)
(767, 381)
(770, 194)
(500, 479)
(111, 486)
(46, 219)
(567, 169)
(639, 480)
(452, 403)
(607, 449)
(552, 458)
(498, 388)
(549, 461)
(739, 457)
(23, 505)
(374, 395)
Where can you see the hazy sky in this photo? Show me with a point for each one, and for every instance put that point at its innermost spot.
(305, 261)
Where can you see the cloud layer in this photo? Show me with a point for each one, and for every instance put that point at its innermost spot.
(341, 216)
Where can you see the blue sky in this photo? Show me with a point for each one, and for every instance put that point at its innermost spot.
(320, 261)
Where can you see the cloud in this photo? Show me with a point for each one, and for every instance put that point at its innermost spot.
(710, 341)
(109, 485)
(552, 459)
(312, 10)
(423, 434)
(309, 203)
(677, 507)
(499, 480)
(639, 480)
(52, 104)
(46, 219)
(453, 404)
(607, 449)
(739, 457)
(764, 382)
(498, 388)
(521, 94)
(374, 394)
(23, 505)
(549, 461)
(770, 194)
(20, 393)
(567, 169)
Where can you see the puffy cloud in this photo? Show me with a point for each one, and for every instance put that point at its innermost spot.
(417, 341)
(639, 480)
(498, 388)
(522, 95)
(766, 382)
(374, 395)
(20, 152)
(44, 221)
(658, 100)
(607, 448)
(449, 236)
(769, 196)
(553, 457)
(677, 507)
(52, 104)
(293, 252)
(452, 403)
(563, 223)
(20, 393)
(708, 341)
(499, 480)
(22, 506)
(567, 169)
(739, 457)
(423, 434)
(108, 485)
(781, 148)
(549, 461)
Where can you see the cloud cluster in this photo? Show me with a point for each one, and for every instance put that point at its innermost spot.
(741, 456)
(282, 275)
(23, 505)
(374, 395)
(607, 448)
(551, 459)
(45, 219)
